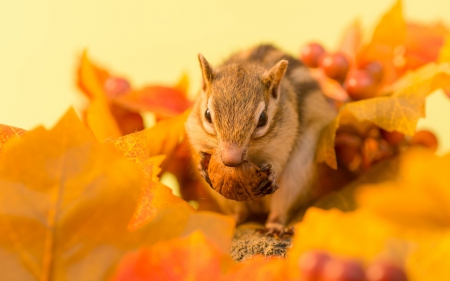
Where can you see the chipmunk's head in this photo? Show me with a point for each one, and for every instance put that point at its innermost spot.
(239, 101)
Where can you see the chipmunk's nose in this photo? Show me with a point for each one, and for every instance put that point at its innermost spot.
(232, 154)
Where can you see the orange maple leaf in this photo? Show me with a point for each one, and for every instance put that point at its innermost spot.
(148, 149)
(98, 114)
(420, 199)
(65, 204)
(162, 100)
(115, 107)
(398, 111)
(401, 46)
(387, 41)
(190, 258)
(7, 132)
(260, 268)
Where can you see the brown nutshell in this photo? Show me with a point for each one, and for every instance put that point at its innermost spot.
(242, 183)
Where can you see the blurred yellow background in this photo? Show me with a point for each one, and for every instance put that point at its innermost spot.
(155, 41)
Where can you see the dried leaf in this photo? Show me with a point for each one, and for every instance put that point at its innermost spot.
(91, 78)
(183, 84)
(444, 55)
(399, 111)
(423, 44)
(59, 208)
(417, 200)
(335, 232)
(147, 148)
(351, 41)
(190, 258)
(98, 115)
(261, 268)
(387, 44)
(163, 101)
(7, 132)
(430, 262)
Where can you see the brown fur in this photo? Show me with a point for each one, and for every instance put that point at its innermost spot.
(262, 78)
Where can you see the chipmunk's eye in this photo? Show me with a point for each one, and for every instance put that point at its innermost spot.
(262, 120)
(208, 116)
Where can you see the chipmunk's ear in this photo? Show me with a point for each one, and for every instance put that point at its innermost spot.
(207, 72)
(272, 78)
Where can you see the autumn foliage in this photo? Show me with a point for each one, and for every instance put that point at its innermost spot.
(84, 200)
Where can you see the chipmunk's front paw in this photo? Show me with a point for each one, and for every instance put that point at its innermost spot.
(203, 166)
(268, 185)
(278, 229)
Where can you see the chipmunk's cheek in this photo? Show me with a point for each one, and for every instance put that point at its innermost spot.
(232, 154)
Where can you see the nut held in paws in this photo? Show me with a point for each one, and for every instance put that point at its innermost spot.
(241, 183)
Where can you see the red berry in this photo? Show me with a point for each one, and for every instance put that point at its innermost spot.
(376, 69)
(425, 138)
(385, 272)
(115, 86)
(393, 137)
(311, 54)
(360, 85)
(311, 264)
(335, 66)
(342, 270)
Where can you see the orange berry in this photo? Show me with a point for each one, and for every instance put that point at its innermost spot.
(425, 138)
(335, 66)
(311, 54)
(394, 137)
(360, 85)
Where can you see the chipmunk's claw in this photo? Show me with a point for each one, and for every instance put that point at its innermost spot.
(277, 230)
(203, 167)
(268, 185)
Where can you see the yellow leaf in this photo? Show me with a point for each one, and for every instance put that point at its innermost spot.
(337, 232)
(65, 204)
(145, 149)
(420, 199)
(7, 132)
(430, 261)
(98, 115)
(399, 111)
(391, 29)
(387, 44)
(190, 258)
(444, 55)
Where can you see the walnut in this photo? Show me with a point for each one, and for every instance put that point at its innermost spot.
(242, 183)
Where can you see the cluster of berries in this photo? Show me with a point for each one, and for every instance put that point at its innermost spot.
(358, 149)
(320, 266)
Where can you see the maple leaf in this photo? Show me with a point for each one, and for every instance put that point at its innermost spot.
(64, 211)
(398, 111)
(163, 101)
(98, 114)
(260, 268)
(59, 205)
(388, 39)
(7, 132)
(334, 231)
(351, 41)
(444, 53)
(144, 148)
(417, 200)
(190, 258)
(423, 44)
(166, 138)
(118, 106)
(430, 261)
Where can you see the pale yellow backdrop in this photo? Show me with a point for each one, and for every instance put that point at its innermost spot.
(155, 41)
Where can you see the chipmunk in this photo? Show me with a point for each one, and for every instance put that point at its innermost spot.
(263, 106)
